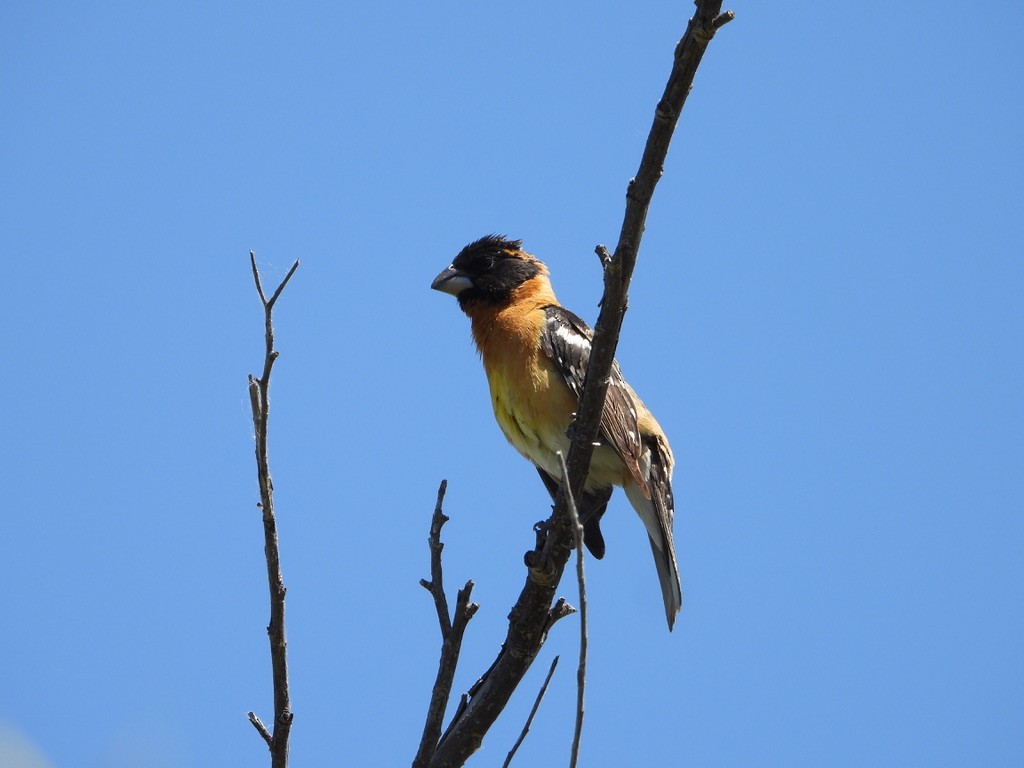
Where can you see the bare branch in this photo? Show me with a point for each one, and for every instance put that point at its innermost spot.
(529, 620)
(722, 19)
(619, 269)
(559, 610)
(581, 670)
(452, 632)
(273, 299)
(533, 711)
(256, 277)
(436, 585)
(259, 398)
(261, 728)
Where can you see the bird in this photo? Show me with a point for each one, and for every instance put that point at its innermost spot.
(535, 354)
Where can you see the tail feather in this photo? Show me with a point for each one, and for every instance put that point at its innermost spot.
(668, 577)
(656, 514)
(657, 510)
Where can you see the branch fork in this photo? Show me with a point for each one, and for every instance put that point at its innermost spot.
(259, 398)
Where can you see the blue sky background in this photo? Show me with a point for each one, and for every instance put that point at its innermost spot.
(826, 318)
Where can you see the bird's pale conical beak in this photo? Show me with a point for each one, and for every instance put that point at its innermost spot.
(452, 281)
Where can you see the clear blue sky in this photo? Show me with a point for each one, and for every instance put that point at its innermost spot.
(826, 318)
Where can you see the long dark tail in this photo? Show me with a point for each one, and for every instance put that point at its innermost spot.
(657, 513)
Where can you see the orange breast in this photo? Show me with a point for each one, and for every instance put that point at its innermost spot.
(532, 404)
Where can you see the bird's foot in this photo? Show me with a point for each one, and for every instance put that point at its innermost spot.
(538, 560)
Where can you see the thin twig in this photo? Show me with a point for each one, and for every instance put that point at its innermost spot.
(559, 610)
(529, 619)
(581, 670)
(529, 720)
(259, 398)
(259, 726)
(436, 584)
(619, 268)
(452, 632)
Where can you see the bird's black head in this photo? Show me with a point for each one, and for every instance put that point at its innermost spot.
(488, 271)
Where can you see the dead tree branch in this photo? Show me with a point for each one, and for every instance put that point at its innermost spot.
(452, 632)
(259, 397)
(533, 712)
(581, 579)
(619, 266)
(531, 617)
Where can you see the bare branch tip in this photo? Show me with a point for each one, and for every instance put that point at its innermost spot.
(261, 729)
(722, 19)
(256, 277)
(463, 594)
(559, 610)
(441, 491)
(280, 288)
(533, 712)
(291, 272)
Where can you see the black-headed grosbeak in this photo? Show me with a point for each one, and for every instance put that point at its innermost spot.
(535, 353)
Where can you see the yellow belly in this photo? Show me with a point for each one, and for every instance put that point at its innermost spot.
(532, 403)
(534, 412)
